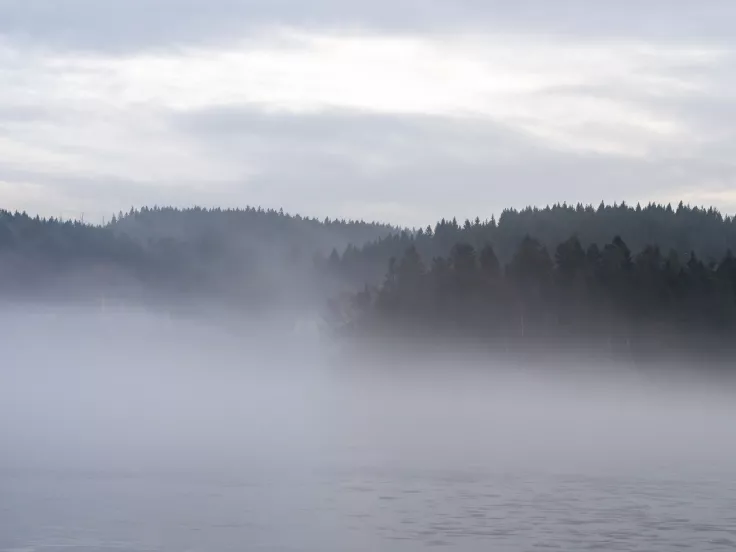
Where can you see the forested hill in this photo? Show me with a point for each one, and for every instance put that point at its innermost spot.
(254, 255)
(250, 227)
(640, 306)
(681, 229)
(244, 255)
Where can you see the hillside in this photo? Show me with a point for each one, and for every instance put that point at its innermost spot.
(634, 307)
(681, 230)
(251, 227)
(255, 257)
(250, 256)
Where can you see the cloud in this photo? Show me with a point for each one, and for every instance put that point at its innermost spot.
(414, 169)
(129, 25)
(404, 112)
(502, 78)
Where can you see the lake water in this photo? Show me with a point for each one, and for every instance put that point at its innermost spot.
(363, 510)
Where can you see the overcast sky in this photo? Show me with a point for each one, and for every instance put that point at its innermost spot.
(404, 111)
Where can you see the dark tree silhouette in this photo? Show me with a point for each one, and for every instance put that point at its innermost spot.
(636, 306)
(705, 231)
(631, 280)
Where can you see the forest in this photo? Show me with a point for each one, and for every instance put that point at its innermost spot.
(246, 258)
(572, 298)
(683, 228)
(629, 278)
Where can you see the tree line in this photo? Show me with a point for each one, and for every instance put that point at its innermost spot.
(681, 228)
(572, 296)
(243, 256)
(255, 256)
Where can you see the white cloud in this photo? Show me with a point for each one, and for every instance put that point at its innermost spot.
(108, 118)
(503, 78)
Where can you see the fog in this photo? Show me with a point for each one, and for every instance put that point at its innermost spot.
(139, 391)
(139, 430)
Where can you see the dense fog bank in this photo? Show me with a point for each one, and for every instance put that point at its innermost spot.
(141, 392)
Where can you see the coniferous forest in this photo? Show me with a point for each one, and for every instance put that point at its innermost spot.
(245, 258)
(663, 281)
(637, 280)
(570, 299)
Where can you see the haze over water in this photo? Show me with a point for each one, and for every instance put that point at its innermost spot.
(136, 431)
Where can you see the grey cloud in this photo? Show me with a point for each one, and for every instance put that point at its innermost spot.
(24, 114)
(125, 25)
(433, 165)
(401, 169)
(705, 112)
(96, 197)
